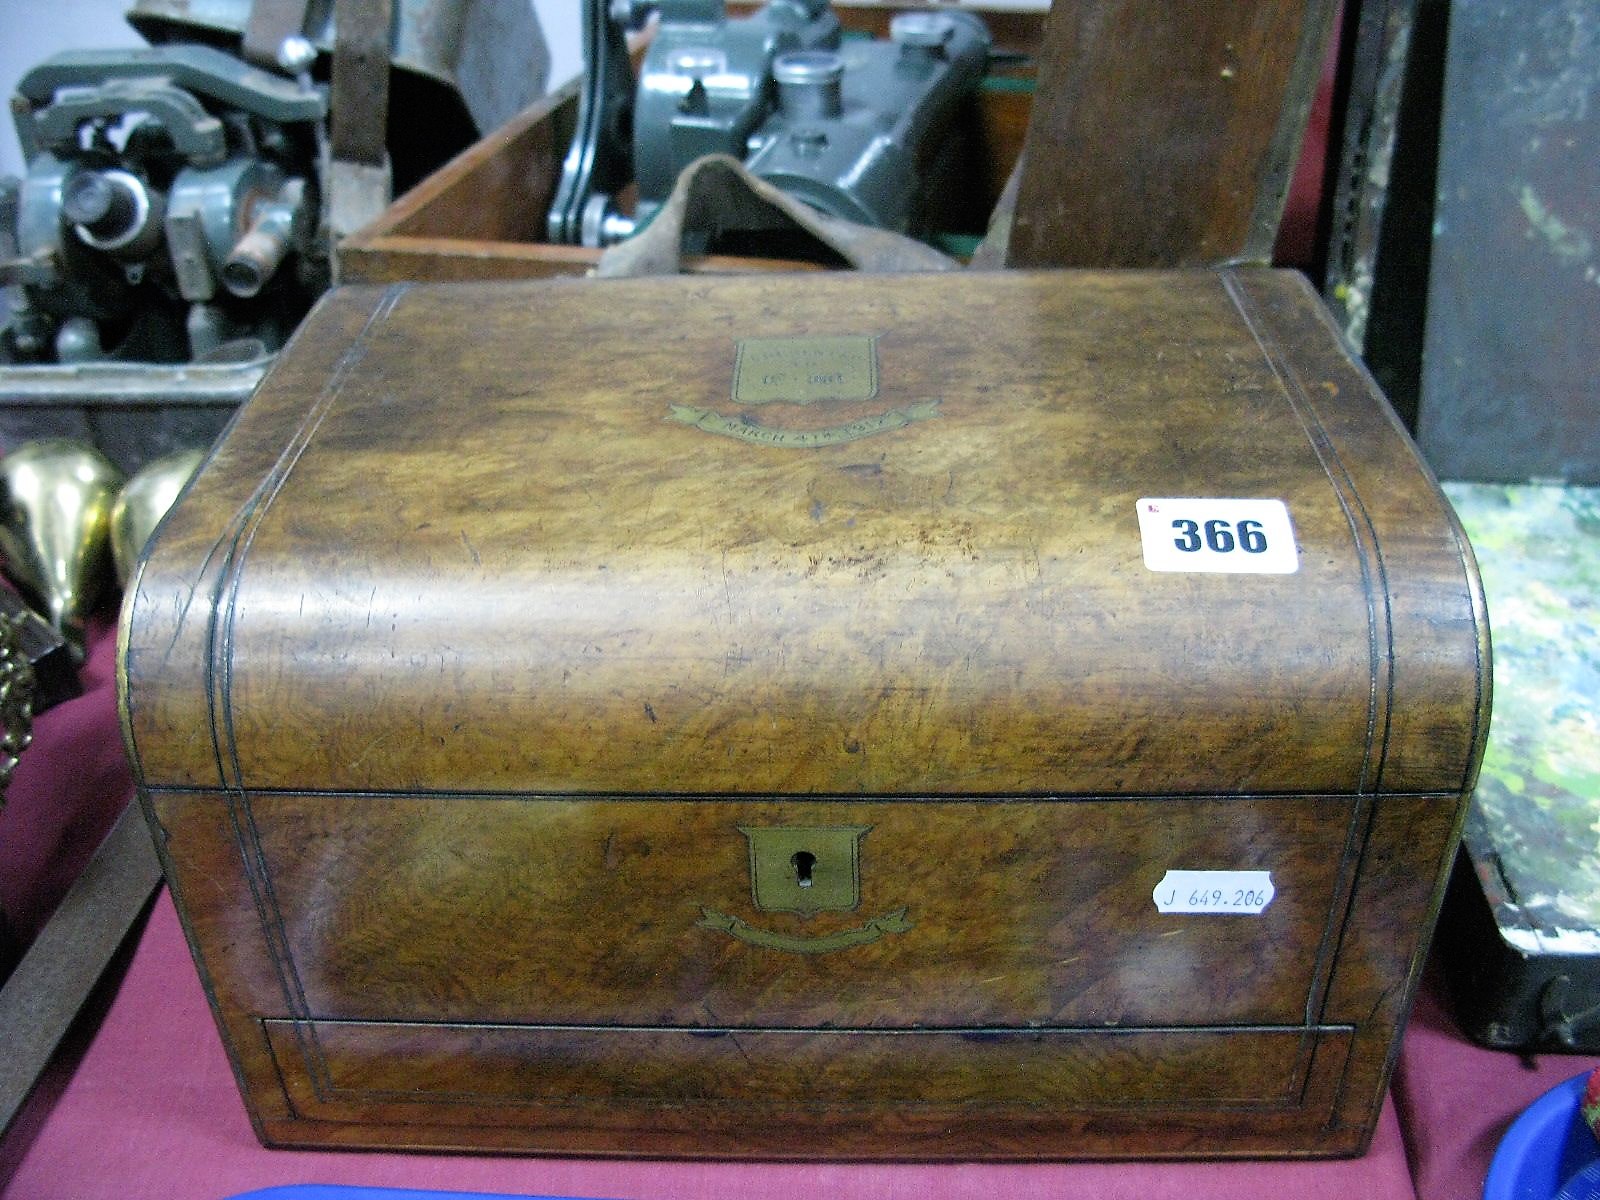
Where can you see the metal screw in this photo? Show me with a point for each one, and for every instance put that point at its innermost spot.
(631, 14)
(809, 142)
(296, 54)
(89, 197)
(926, 30)
(810, 84)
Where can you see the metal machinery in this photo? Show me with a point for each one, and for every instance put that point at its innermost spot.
(857, 128)
(170, 207)
(180, 202)
(460, 67)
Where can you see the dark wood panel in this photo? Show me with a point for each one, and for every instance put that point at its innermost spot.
(1025, 1095)
(470, 1068)
(1405, 865)
(569, 912)
(215, 871)
(1164, 135)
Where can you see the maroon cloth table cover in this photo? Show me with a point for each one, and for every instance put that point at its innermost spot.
(68, 790)
(1455, 1100)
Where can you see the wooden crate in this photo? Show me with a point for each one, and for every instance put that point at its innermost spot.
(482, 215)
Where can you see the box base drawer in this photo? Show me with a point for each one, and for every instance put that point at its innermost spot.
(805, 1092)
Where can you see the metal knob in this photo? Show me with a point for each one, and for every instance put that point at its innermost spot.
(810, 84)
(921, 34)
(113, 211)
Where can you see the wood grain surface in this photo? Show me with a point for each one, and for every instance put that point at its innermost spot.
(572, 912)
(458, 675)
(536, 581)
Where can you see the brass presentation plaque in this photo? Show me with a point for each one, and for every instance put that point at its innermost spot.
(803, 370)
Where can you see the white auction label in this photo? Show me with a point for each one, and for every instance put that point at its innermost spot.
(1244, 893)
(1242, 537)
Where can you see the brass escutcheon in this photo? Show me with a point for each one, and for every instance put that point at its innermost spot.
(805, 870)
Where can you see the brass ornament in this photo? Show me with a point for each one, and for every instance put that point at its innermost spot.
(789, 943)
(144, 500)
(55, 525)
(17, 688)
(805, 869)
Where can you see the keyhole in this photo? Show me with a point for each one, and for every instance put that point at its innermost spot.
(803, 862)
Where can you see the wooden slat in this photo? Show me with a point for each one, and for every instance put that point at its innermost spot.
(61, 968)
(1164, 135)
(398, 259)
(495, 190)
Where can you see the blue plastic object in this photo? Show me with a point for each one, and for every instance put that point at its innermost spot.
(335, 1191)
(1547, 1151)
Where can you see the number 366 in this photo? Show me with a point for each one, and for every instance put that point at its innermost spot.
(1220, 536)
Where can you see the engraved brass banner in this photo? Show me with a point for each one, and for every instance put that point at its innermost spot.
(745, 430)
(890, 922)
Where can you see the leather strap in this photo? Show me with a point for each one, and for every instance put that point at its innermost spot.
(717, 192)
(360, 92)
(270, 22)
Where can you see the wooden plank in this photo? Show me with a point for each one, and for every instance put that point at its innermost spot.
(495, 190)
(398, 259)
(1164, 135)
(61, 968)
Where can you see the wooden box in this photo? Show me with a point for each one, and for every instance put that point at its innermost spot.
(985, 716)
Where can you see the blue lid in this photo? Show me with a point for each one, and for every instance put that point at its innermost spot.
(1546, 1149)
(334, 1191)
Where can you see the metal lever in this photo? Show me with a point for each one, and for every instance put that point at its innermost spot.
(600, 159)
